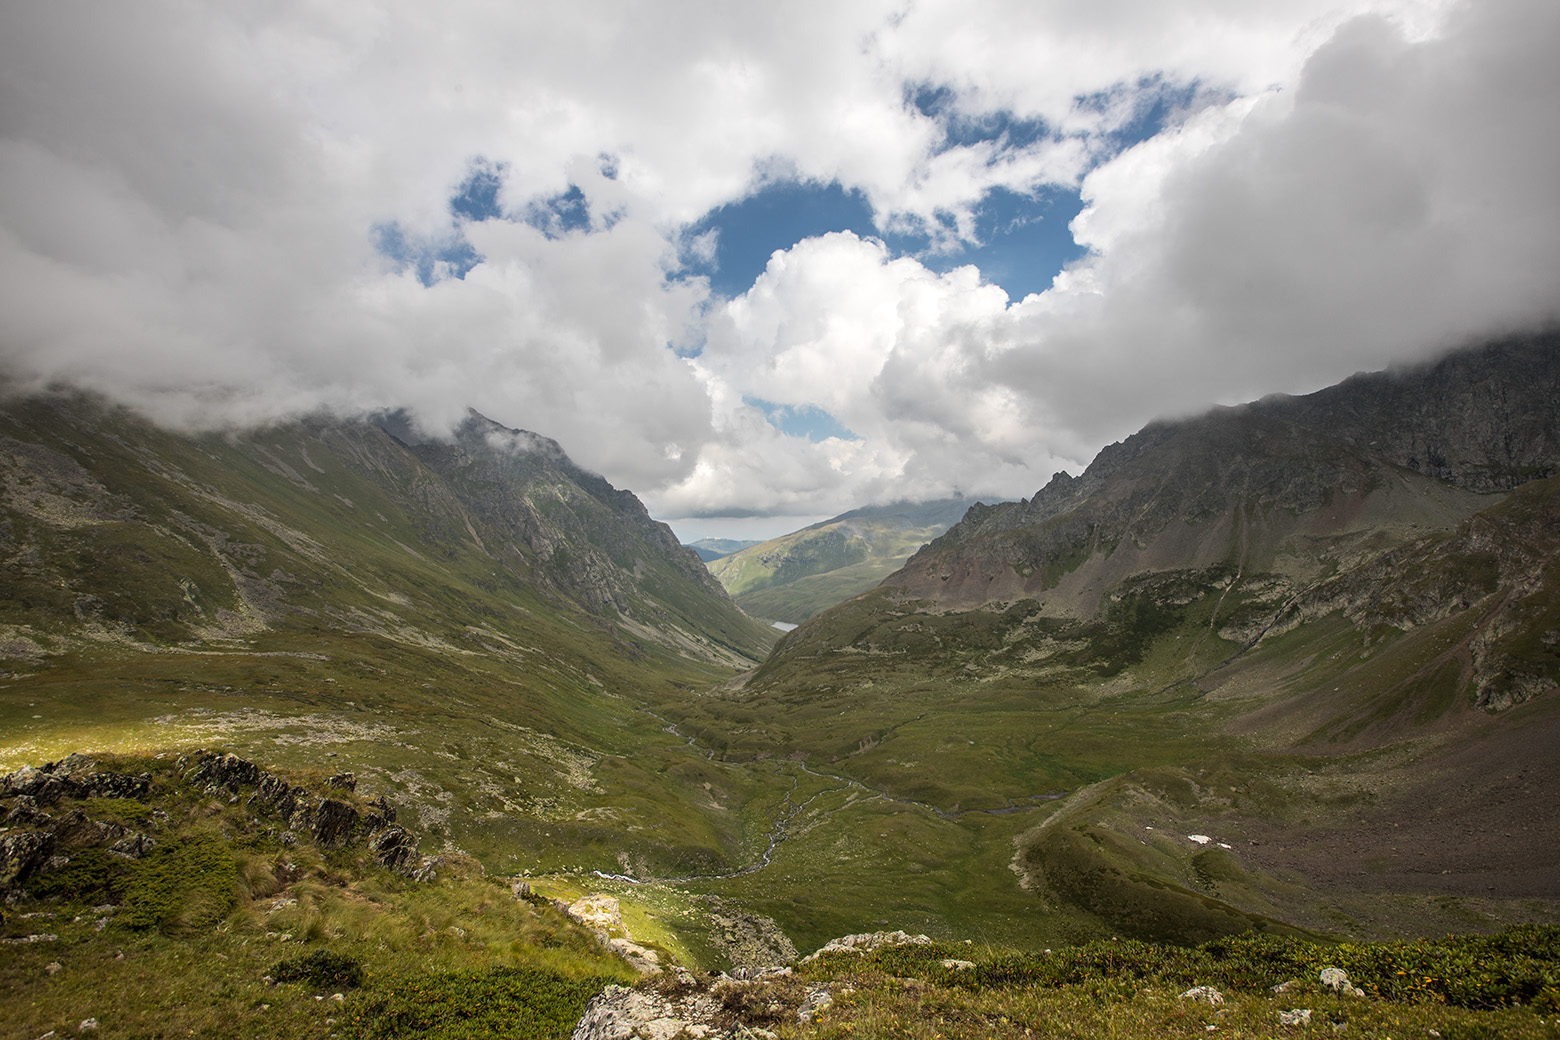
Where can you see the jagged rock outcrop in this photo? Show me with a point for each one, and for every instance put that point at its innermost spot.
(334, 823)
(47, 784)
(48, 840)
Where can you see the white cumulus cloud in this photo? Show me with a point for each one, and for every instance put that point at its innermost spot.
(192, 197)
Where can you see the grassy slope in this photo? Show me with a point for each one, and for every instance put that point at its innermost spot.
(909, 758)
(222, 902)
(460, 956)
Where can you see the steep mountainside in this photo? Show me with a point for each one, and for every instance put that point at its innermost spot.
(792, 577)
(1286, 484)
(1294, 662)
(120, 531)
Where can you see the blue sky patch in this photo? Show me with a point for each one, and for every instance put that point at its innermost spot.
(1024, 239)
(808, 421)
(477, 196)
(962, 129)
(560, 214)
(1156, 104)
(433, 259)
(777, 216)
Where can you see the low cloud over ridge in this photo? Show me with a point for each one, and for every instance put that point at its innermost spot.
(191, 198)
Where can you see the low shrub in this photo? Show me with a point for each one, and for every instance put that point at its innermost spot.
(525, 1002)
(92, 876)
(183, 885)
(1520, 966)
(321, 968)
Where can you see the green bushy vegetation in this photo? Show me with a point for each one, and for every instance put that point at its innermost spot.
(320, 968)
(526, 1002)
(1460, 986)
(184, 884)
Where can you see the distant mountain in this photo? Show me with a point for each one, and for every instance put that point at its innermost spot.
(792, 577)
(714, 548)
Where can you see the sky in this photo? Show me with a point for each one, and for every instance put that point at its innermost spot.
(765, 263)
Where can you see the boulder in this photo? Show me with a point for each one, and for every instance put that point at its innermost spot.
(599, 912)
(1337, 980)
(1204, 995)
(26, 780)
(620, 1013)
(641, 958)
(866, 942)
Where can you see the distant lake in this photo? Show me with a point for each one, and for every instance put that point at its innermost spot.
(782, 626)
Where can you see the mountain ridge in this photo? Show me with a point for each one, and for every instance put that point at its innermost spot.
(1423, 429)
(791, 577)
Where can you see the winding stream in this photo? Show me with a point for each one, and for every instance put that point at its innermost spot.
(790, 809)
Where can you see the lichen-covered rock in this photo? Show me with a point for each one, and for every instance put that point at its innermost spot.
(344, 781)
(382, 815)
(620, 1013)
(133, 845)
(224, 771)
(641, 958)
(333, 823)
(26, 780)
(817, 1000)
(394, 848)
(21, 854)
(24, 812)
(750, 940)
(1337, 980)
(598, 912)
(76, 828)
(866, 942)
(276, 796)
(1204, 995)
(115, 785)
